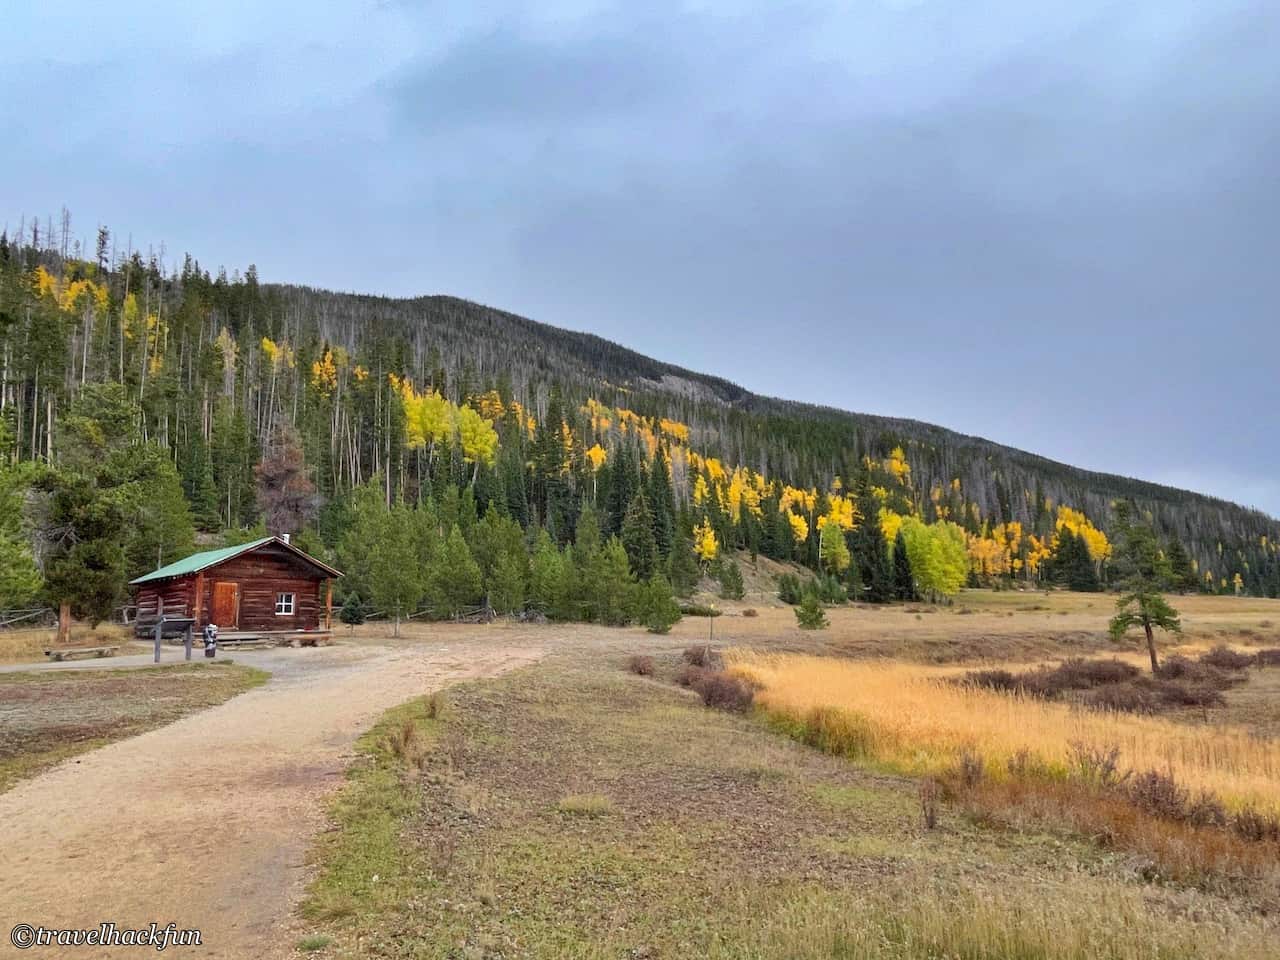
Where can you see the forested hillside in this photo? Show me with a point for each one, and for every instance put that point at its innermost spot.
(178, 404)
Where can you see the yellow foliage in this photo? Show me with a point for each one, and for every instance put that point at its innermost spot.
(44, 283)
(1080, 525)
(674, 429)
(896, 465)
(360, 373)
(596, 456)
(705, 544)
(478, 438)
(843, 511)
(324, 374)
(890, 524)
(799, 527)
(699, 490)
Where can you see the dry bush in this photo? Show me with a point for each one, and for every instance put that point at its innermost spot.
(689, 675)
(407, 744)
(1098, 766)
(724, 691)
(698, 656)
(1158, 795)
(585, 805)
(1254, 826)
(1178, 849)
(641, 665)
(1267, 657)
(1224, 658)
(929, 793)
(436, 706)
(1124, 697)
(1002, 681)
(1190, 694)
(751, 612)
(972, 769)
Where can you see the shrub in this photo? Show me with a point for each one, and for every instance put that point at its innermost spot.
(972, 768)
(352, 612)
(810, 614)
(1158, 795)
(730, 577)
(929, 803)
(1224, 658)
(699, 656)
(698, 610)
(640, 665)
(1256, 827)
(724, 691)
(1178, 667)
(1001, 681)
(1096, 765)
(830, 589)
(1079, 674)
(1268, 657)
(1189, 694)
(1123, 698)
(689, 675)
(751, 612)
(790, 590)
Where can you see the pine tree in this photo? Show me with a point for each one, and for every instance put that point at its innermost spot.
(549, 582)
(1182, 573)
(352, 612)
(729, 574)
(396, 581)
(455, 583)
(682, 567)
(656, 606)
(612, 585)
(662, 505)
(637, 537)
(904, 584)
(809, 614)
(871, 556)
(506, 584)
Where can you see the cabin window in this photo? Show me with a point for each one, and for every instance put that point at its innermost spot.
(284, 604)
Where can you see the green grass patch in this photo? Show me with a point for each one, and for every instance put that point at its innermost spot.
(366, 868)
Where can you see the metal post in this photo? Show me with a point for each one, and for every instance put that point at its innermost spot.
(187, 641)
(159, 629)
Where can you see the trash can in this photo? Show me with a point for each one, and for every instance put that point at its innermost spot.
(210, 640)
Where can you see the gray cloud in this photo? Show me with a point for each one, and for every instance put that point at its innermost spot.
(1051, 225)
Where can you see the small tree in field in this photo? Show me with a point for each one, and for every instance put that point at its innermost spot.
(352, 612)
(730, 576)
(810, 614)
(1144, 573)
(396, 581)
(656, 605)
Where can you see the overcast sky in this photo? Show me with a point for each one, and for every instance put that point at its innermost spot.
(1053, 224)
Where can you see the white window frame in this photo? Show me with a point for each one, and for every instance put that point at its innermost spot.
(286, 604)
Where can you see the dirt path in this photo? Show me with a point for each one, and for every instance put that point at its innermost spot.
(207, 822)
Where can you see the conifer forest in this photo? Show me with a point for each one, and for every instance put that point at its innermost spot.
(448, 456)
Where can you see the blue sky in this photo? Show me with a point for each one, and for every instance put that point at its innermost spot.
(1055, 224)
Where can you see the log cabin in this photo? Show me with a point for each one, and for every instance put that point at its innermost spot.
(264, 589)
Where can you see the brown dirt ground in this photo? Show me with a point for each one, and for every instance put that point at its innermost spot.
(206, 821)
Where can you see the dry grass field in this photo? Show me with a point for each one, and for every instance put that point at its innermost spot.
(980, 626)
(576, 810)
(28, 644)
(49, 716)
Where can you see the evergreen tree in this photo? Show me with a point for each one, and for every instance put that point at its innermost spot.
(729, 574)
(1144, 573)
(656, 606)
(506, 583)
(682, 567)
(84, 568)
(1182, 574)
(904, 584)
(611, 585)
(637, 537)
(809, 614)
(396, 581)
(455, 583)
(352, 612)
(549, 581)
(871, 556)
(662, 505)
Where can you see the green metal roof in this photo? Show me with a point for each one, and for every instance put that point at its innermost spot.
(199, 561)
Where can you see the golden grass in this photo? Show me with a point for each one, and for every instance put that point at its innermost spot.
(911, 719)
(29, 643)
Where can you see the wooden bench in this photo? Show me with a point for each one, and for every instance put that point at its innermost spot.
(63, 653)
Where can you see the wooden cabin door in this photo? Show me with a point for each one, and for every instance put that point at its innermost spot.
(226, 605)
